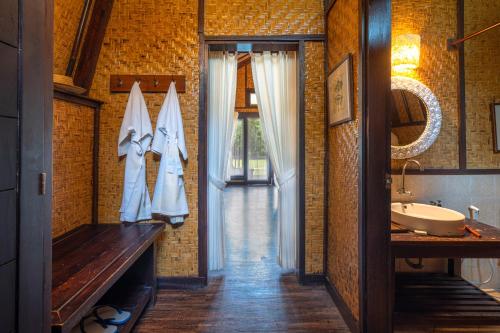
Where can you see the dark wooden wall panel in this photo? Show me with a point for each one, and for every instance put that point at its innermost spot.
(34, 248)
(7, 226)
(8, 297)
(8, 86)
(8, 22)
(8, 153)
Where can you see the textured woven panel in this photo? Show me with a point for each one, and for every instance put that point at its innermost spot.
(66, 17)
(435, 22)
(263, 17)
(343, 159)
(73, 136)
(482, 81)
(315, 155)
(151, 37)
(241, 88)
(160, 37)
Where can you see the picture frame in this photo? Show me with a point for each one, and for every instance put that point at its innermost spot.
(340, 92)
(495, 121)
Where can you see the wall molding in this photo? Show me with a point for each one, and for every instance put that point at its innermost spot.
(314, 278)
(267, 38)
(181, 282)
(346, 314)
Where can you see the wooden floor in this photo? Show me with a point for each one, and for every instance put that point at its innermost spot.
(252, 294)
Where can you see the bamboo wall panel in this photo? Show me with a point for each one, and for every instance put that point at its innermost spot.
(435, 22)
(482, 81)
(73, 137)
(343, 242)
(66, 18)
(151, 37)
(244, 74)
(160, 37)
(315, 155)
(263, 17)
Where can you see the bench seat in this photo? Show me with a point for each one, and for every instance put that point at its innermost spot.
(91, 260)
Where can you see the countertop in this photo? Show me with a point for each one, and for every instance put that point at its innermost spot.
(411, 245)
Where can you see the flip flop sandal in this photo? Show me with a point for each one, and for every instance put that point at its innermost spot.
(92, 324)
(111, 315)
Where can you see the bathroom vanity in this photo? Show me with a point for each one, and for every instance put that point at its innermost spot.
(444, 298)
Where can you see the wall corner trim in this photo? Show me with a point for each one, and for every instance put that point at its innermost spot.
(347, 315)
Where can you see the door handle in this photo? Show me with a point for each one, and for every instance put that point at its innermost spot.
(42, 183)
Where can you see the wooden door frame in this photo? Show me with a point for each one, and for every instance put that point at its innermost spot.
(35, 153)
(226, 42)
(375, 296)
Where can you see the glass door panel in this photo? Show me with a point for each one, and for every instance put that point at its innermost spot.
(258, 162)
(236, 168)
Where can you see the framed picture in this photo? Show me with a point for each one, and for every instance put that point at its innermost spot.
(340, 92)
(495, 120)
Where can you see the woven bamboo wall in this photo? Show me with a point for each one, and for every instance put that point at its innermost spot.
(151, 37)
(263, 17)
(343, 242)
(244, 81)
(315, 155)
(435, 22)
(73, 136)
(482, 81)
(66, 17)
(161, 37)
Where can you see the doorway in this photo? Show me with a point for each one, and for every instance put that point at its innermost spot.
(251, 169)
(249, 162)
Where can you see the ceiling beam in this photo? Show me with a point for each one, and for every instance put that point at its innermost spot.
(92, 43)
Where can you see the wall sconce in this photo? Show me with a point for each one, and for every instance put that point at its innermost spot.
(405, 52)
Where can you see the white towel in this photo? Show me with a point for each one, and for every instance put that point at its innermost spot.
(169, 198)
(135, 137)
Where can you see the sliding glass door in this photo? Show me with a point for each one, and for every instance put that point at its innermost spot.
(249, 163)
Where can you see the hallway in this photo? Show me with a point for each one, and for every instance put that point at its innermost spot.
(251, 294)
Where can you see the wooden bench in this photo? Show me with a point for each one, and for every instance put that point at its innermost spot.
(103, 264)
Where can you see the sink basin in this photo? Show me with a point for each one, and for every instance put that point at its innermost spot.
(434, 220)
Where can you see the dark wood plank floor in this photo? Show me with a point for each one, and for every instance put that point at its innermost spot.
(252, 294)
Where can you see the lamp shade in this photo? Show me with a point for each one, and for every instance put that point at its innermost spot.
(405, 52)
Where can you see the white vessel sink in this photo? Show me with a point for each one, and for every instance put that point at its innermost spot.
(434, 220)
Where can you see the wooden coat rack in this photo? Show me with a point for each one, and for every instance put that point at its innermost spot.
(149, 83)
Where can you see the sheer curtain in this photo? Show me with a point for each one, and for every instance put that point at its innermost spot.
(275, 80)
(222, 70)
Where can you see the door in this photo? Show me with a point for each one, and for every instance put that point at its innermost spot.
(249, 162)
(25, 152)
(9, 122)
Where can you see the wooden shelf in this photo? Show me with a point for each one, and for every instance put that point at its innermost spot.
(94, 261)
(442, 299)
(134, 301)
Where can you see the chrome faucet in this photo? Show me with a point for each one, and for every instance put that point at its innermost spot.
(473, 210)
(403, 190)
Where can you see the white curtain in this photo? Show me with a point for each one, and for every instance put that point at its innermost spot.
(230, 169)
(275, 80)
(222, 73)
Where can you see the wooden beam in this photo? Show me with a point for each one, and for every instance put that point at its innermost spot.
(92, 43)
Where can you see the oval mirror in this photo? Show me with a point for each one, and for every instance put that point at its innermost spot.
(416, 118)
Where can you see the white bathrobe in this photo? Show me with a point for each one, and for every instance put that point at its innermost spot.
(135, 138)
(169, 198)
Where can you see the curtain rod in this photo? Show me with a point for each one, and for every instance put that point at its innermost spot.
(453, 43)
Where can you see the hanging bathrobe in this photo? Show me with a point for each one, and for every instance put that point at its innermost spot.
(135, 138)
(169, 198)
